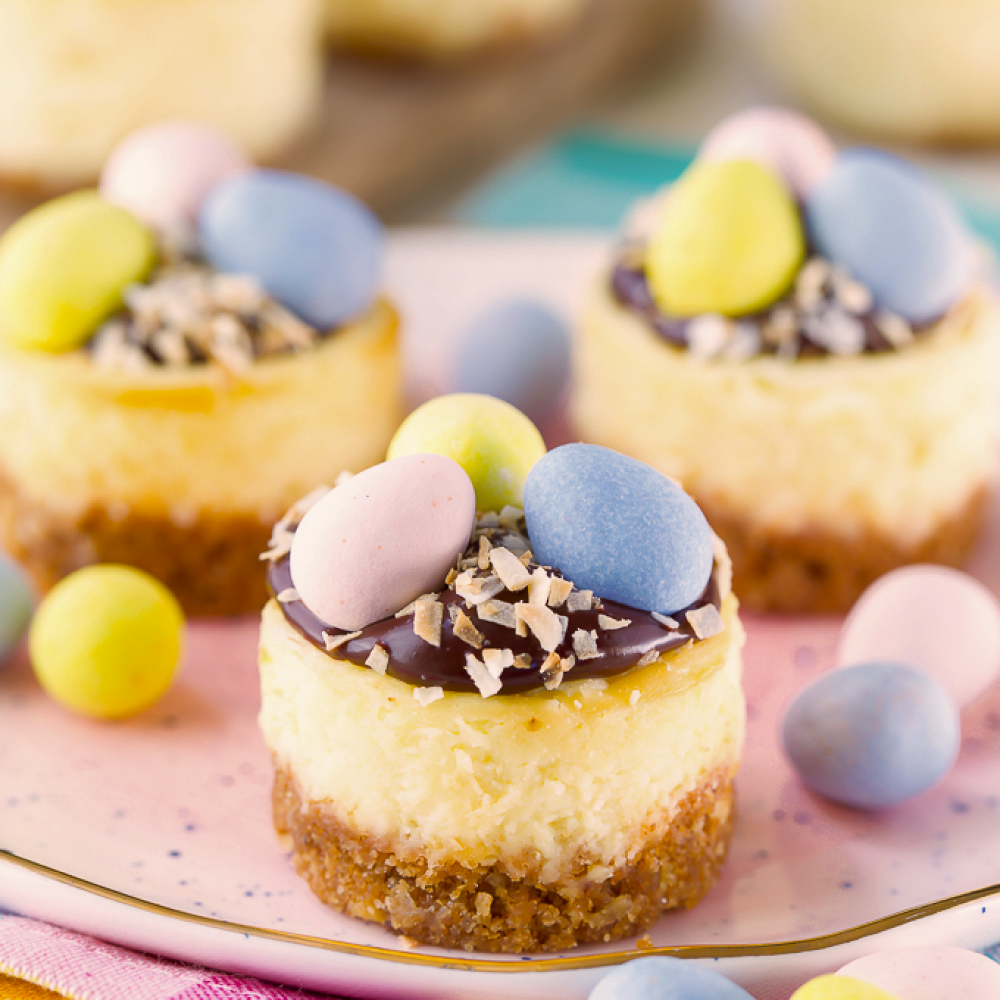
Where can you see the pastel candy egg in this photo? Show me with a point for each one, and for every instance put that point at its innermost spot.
(315, 248)
(932, 617)
(729, 241)
(63, 268)
(381, 539)
(840, 988)
(493, 442)
(938, 972)
(894, 230)
(163, 172)
(872, 735)
(665, 978)
(16, 601)
(617, 527)
(518, 351)
(106, 641)
(790, 144)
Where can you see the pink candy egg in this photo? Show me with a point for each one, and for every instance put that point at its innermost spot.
(790, 144)
(932, 973)
(163, 172)
(934, 618)
(382, 538)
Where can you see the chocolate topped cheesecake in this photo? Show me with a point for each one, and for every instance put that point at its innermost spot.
(509, 761)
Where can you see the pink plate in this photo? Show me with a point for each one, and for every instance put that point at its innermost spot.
(156, 832)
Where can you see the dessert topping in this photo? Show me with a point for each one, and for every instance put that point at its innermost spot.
(315, 248)
(189, 314)
(495, 444)
(618, 528)
(64, 268)
(381, 539)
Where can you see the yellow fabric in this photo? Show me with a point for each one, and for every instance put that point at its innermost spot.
(18, 989)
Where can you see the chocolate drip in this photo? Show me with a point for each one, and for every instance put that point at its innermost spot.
(417, 662)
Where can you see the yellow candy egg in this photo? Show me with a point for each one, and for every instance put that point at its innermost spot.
(63, 268)
(106, 641)
(495, 443)
(840, 988)
(730, 241)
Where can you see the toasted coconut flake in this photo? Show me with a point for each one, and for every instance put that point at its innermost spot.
(427, 617)
(334, 640)
(497, 660)
(466, 631)
(478, 589)
(378, 659)
(551, 671)
(647, 658)
(484, 552)
(610, 624)
(633, 698)
(488, 520)
(894, 328)
(279, 546)
(424, 696)
(665, 620)
(723, 566)
(509, 568)
(580, 600)
(287, 595)
(510, 516)
(520, 626)
(705, 621)
(559, 590)
(517, 544)
(522, 662)
(538, 588)
(547, 627)
(498, 612)
(585, 644)
(451, 577)
(485, 682)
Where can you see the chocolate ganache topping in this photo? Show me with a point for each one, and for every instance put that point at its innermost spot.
(497, 627)
(826, 312)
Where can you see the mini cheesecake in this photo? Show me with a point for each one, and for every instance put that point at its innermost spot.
(181, 470)
(821, 473)
(469, 781)
(77, 75)
(806, 340)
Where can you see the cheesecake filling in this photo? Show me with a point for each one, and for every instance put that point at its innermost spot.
(502, 623)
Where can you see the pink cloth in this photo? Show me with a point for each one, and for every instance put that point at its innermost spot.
(85, 968)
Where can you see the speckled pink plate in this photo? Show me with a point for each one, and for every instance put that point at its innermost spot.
(156, 833)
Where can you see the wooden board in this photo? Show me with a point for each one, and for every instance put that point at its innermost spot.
(406, 137)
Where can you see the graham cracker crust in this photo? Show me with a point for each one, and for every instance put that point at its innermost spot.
(485, 908)
(211, 564)
(817, 571)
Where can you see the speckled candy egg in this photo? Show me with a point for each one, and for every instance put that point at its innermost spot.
(495, 443)
(872, 735)
(163, 172)
(64, 267)
(932, 617)
(929, 973)
(315, 248)
(792, 145)
(518, 351)
(840, 988)
(894, 230)
(665, 978)
(617, 527)
(16, 601)
(729, 240)
(381, 539)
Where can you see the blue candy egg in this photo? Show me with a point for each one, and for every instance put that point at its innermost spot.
(872, 735)
(617, 527)
(518, 351)
(315, 248)
(894, 230)
(664, 978)
(16, 600)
